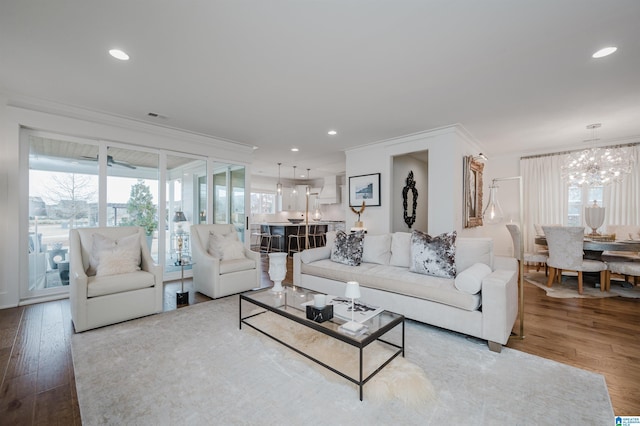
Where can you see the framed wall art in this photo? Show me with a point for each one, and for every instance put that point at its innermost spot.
(364, 188)
(472, 192)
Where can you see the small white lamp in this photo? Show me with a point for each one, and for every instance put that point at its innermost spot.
(352, 292)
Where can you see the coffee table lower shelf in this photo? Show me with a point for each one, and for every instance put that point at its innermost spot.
(294, 314)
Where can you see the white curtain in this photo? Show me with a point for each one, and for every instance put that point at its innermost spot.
(546, 195)
(622, 200)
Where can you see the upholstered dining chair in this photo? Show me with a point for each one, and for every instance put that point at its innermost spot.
(565, 254)
(112, 276)
(537, 258)
(627, 268)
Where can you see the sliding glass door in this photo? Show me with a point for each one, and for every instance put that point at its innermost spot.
(229, 196)
(63, 194)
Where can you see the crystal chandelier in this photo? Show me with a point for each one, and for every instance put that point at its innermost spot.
(597, 166)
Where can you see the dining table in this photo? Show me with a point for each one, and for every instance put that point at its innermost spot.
(593, 248)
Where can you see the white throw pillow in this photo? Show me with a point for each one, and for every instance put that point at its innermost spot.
(232, 249)
(128, 246)
(470, 280)
(400, 249)
(376, 249)
(116, 261)
(225, 247)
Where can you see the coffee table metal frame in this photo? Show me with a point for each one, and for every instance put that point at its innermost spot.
(295, 312)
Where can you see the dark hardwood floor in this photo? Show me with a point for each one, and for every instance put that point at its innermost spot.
(38, 383)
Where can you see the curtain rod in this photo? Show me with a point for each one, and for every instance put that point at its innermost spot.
(528, 157)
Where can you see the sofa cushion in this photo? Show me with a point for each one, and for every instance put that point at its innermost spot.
(110, 284)
(433, 255)
(395, 279)
(318, 253)
(376, 249)
(347, 248)
(473, 250)
(129, 246)
(470, 280)
(400, 249)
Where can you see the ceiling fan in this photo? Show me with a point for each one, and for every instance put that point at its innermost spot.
(112, 162)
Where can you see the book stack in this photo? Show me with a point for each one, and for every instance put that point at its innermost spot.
(353, 329)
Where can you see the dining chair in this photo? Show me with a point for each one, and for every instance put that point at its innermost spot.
(565, 254)
(626, 268)
(537, 258)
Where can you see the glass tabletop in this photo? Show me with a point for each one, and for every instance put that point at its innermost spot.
(290, 303)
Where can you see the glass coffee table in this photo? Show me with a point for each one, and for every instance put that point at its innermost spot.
(288, 304)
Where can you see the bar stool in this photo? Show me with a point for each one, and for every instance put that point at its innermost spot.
(268, 237)
(317, 232)
(298, 238)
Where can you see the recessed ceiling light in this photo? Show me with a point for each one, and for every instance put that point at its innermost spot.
(604, 52)
(119, 54)
(295, 149)
(332, 132)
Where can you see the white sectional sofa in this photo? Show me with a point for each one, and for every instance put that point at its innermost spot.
(480, 305)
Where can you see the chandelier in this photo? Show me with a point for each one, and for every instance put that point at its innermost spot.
(597, 166)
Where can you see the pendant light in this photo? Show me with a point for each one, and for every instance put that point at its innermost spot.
(294, 191)
(308, 188)
(279, 185)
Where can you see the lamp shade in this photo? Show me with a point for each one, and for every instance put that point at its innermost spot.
(179, 217)
(353, 290)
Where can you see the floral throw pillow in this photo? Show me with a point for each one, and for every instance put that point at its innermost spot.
(433, 255)
(347, 248)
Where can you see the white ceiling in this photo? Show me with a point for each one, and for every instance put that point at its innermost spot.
(518, 75)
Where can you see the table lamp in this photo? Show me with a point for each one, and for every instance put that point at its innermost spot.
(352, 292)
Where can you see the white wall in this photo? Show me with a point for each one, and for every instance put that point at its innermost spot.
(447, 146)
(15, 113)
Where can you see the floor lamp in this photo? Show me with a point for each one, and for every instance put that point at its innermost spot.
(493, 214)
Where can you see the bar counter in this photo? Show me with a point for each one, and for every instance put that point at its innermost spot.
(284, 229)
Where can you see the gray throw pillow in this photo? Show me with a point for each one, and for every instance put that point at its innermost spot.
(347, 248)
(433, 255)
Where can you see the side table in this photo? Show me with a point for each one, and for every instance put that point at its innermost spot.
(182, 297)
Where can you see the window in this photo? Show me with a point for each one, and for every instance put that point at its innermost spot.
(263, 203)
(579, 198)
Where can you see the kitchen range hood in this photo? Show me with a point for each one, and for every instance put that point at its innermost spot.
(330, 193)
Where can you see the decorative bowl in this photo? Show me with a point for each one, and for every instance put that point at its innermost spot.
(295, 220)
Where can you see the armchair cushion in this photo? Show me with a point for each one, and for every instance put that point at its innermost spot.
(127, 247)
(235, 265)
(110, 284)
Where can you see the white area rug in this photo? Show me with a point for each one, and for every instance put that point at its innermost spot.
(194, 366)
(569, 287)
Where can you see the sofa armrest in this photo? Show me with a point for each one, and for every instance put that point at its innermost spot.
(499, 304)
(505, 262)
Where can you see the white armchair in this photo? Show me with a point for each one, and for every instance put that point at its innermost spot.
(222, 274)
(117, 290)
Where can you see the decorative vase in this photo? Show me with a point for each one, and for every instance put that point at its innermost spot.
(277, 270)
